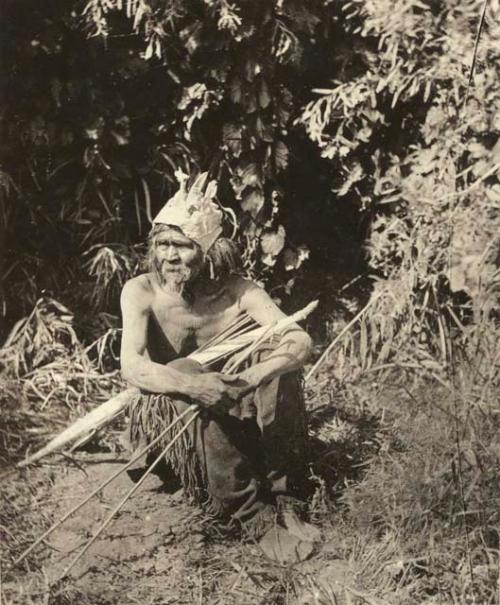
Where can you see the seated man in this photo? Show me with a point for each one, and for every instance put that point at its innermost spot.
(246, 449)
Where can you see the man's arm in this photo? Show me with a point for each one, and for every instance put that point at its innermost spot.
(295, 344)
(136, 367)
(206, 389)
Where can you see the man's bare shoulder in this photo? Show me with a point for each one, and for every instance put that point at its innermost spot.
(239, 286)
(138, 291)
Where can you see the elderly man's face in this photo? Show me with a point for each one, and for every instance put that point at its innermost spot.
(178, 259)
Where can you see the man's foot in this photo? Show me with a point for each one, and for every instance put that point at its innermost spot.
(289, 504)
(260, 523)
(291, 539)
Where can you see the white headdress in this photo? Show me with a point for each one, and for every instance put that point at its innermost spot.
(194, 211)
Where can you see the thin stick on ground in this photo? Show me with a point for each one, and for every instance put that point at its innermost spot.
(122, 469)
(109, 518)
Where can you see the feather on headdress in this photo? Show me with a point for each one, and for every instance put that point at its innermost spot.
(194, 211)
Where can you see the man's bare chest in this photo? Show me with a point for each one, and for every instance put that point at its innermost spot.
(186, 326)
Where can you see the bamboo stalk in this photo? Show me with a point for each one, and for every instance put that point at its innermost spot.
(103, 485)
(109, 518)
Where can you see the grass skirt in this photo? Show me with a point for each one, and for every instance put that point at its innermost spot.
(149, 415)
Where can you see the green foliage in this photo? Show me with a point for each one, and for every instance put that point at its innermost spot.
(233, 68)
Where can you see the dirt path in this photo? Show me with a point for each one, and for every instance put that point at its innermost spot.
(154, 551)
(158, 551)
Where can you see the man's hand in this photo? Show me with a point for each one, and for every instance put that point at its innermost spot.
(216, 391)
(251, 378)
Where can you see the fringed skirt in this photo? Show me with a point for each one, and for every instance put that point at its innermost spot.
(150, 414)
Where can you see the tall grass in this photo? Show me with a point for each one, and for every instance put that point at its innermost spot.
(419, 491)
(48, 376)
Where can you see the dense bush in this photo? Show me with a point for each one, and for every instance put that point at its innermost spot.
(417, 136)
(324, 122)
(95, 127)
(93, 130)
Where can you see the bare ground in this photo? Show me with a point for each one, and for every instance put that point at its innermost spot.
(158, 550)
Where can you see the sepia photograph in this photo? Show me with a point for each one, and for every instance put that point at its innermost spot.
(250, 302)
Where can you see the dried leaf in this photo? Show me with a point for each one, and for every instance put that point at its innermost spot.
(281, 155)
(272, 243)
(284, 547)
(253, 202)
(301, 529)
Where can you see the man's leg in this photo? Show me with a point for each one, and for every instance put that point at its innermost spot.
(214, 459)
(281, 417)
(282, 421)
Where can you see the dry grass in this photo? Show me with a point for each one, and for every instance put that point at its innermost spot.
(410, 443)
(47, 378)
